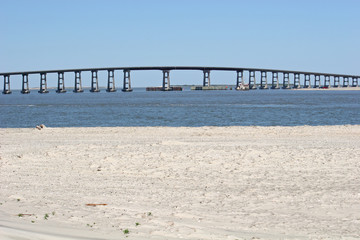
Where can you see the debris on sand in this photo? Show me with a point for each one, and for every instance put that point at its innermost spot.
(41, 126)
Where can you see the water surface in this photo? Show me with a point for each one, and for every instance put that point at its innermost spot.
(186, 108)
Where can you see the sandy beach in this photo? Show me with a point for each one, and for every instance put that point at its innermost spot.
(180, 183)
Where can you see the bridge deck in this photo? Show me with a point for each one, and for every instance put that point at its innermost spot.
(177, 68)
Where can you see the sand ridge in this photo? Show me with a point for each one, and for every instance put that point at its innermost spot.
(182, 183)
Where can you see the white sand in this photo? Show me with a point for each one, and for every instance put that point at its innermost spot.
(197, 183)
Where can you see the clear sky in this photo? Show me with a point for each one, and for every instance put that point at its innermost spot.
(306, 35)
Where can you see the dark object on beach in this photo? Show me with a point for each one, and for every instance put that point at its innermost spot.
(41, 126)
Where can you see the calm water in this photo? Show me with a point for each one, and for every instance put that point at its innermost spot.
(187, 108)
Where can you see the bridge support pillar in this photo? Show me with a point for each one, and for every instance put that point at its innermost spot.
(252, 80)
(61, 83)
(355, 82)
(317, 83)
(166, 80)
(286, 81)
(206, 82)
(94, 81)
(263, 81)
(111, 81)
(336, 81)
(297, 80)
(6, 89)
(307, 81)
(43, 83)
(239, 80)
(346, 82)
(78, 86)
(25, 84)
(275, 80)
(327, 81)
(127, 81)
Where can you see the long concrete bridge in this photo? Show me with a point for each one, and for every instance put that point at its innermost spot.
(279, 78)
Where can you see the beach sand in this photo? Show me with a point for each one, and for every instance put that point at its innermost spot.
(180, 183)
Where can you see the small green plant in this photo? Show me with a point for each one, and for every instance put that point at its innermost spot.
(46, 216)
(53, 213)
(89, 225)
(149, 213)
(137, 224)
(33, 221)
(126, 231)
(18, 199)
(20, 215)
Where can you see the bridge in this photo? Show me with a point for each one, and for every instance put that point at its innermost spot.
(279, 78)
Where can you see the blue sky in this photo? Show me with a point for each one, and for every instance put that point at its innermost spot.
(316, 35)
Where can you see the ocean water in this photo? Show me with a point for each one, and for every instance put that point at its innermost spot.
(186, 108)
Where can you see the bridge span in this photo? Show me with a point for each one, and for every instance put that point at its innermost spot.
(279, 78)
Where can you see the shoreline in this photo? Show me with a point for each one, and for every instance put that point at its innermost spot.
(329, 89)
(176, 127)
(237, 182)
(230, 86)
